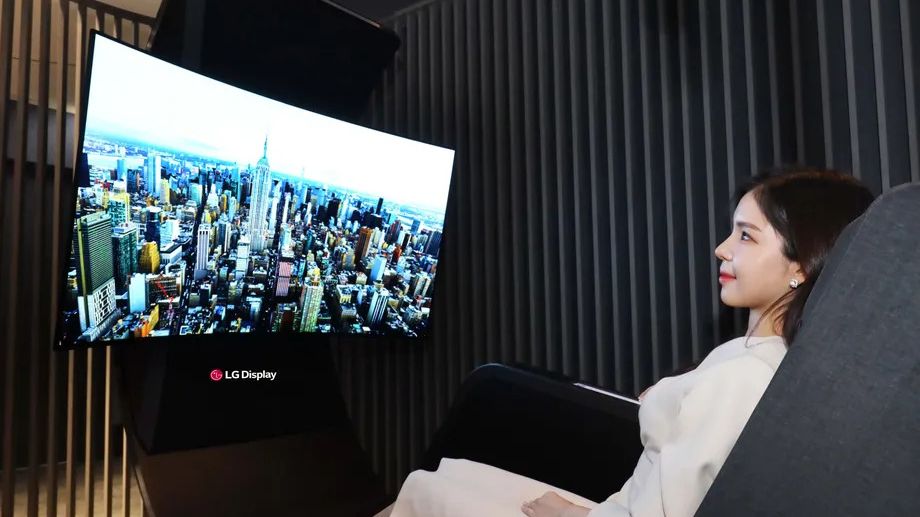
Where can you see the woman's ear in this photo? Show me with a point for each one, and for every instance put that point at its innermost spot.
(796, 271)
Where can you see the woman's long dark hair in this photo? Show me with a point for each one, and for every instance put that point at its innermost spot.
(808, 208)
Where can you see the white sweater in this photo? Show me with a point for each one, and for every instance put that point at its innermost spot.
(688, 425)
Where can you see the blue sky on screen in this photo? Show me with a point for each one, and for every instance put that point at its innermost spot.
(139, 97)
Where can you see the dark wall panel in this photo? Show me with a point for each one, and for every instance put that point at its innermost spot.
(598, 144)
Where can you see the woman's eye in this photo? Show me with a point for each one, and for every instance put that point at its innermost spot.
(745, 234)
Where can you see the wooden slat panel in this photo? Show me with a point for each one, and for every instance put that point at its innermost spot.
(649, 140)
(70, 481)
(39, 340)
(913, 140)
(33, 234)
(695, 312)
(794, 31)
(107, 438)
(435, 115)
(599, 361)
(749, 85)
(88, 477)
(465, 340)
(6, 63)
(57, 203)
(709, 164)
(877, 52)
(667, 97)
(548, 357)
(774, 80)
(531, 168)
(851, 88)
(12, 247)
(499, 162)
(561, 356)
(622, 368)
(517, 214)
(126, 476)
(825, 86)
(487, 229)
(581, 248)
(626, 53)
(474, 165)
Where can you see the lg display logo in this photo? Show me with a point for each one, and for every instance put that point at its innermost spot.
(218, 374)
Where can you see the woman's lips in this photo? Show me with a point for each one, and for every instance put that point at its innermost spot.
(723, 278)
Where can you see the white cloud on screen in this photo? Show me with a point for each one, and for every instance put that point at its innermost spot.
(140, 97)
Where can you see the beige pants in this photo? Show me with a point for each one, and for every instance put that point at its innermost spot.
(463, 488)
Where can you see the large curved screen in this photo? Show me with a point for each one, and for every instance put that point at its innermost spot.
(211, 210)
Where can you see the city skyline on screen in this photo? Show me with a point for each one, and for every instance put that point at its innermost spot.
(186, 226)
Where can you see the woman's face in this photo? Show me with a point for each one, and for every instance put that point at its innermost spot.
(753, 270)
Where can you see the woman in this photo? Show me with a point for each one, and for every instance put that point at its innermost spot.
(784, 225)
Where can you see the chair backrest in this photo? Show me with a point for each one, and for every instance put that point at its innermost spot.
(836, 432)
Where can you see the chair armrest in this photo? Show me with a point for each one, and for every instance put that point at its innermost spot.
(568, 434)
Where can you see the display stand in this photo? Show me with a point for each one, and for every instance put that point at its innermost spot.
(242, 446)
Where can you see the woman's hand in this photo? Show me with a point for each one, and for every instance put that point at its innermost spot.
(552, 504)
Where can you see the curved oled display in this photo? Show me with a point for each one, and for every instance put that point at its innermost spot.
(210, 210)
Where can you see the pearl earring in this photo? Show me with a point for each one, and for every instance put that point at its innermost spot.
(794, 283)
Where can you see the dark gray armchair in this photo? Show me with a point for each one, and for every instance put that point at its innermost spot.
(838, 430)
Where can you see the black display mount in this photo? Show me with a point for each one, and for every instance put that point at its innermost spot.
(193, 438)
(312, 54)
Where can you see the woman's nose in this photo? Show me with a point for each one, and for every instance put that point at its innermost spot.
(721, 251)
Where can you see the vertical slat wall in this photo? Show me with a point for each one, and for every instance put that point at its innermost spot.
(598, 143)
(48, 398)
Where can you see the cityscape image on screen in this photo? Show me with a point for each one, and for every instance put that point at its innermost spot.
(210, 210)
